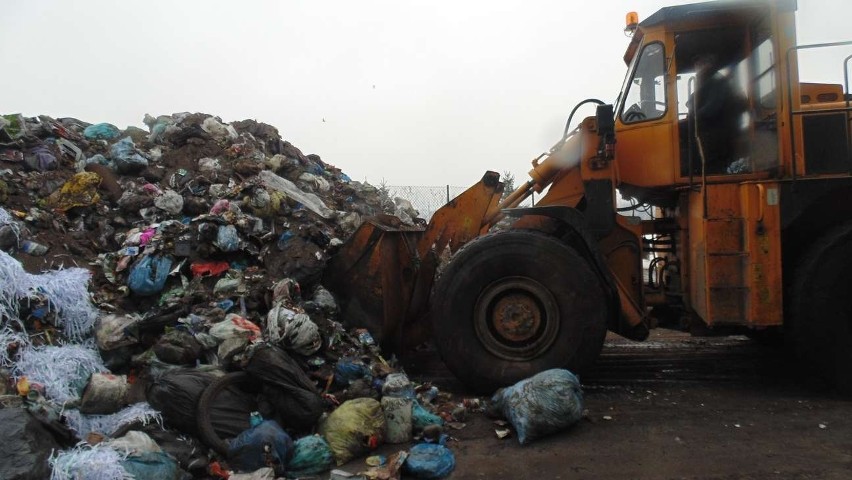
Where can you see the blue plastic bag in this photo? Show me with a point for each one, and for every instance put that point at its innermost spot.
(428, 460)
(542, 404)
(101, 160)
(227, 238)
(265, 445)
(152, 466)
(347, 371)
(148, 276)
(101, 131)
(41, 158)
(422, 418)
(127, 160)
(311, 456)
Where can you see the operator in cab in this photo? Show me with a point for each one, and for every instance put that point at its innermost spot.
(717, 108)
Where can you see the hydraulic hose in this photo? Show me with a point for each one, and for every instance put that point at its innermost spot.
(577, 107)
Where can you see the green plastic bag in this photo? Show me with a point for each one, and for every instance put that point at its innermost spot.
(311, 456)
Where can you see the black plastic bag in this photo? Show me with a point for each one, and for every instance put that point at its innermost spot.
(176, 393)
(191, 455)
(25, 445)
(290, 391)
(178, 348)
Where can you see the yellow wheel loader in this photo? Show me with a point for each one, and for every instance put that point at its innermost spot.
(741, 221)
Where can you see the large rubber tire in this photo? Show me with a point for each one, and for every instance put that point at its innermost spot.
(513, 303)
(821, 321)
(206, 432)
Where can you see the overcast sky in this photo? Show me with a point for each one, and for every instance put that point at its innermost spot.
(409, 92)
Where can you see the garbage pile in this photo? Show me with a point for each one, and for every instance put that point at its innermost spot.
(162, 313)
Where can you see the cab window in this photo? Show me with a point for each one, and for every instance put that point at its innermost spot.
(645, 98)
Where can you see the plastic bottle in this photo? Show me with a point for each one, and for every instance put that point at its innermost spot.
(33, 248)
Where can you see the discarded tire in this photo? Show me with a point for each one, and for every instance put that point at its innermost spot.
(206, 432)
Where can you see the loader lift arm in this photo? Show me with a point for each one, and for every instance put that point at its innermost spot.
(385, 274)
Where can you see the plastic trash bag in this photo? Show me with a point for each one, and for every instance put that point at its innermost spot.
(309, 200)
(287, 387)
(41, 159)
(127, 160)
(227, 238)
(152, 466)
(348, 370)
(405, 211)
(315, 182)
(176, 393)
(422, 418)
(235, 326)
(276, 319)
(81, 190)
(25, 445)
(262, 474)
(13, 126)
(178, 348)
(101, 131)
(112, 331)
(148, 276)
(218, 130)
(134, 443)
(264, 445)
(105, 393)
(356, 427)
(429, 460)
(157, 126)
(545, 403)
(211, 268)
(189, 452)
(170, 201)
(398, 418)
(99, 159)
(325, 300)
(301, 335)
(311, 456)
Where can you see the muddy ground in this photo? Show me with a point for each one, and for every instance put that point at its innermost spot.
(674, 407)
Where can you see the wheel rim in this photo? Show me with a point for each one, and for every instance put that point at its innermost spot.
(516, 318)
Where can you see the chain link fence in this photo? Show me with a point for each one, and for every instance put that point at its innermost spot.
(426, 200)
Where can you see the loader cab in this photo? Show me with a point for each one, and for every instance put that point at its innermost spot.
(701, 98)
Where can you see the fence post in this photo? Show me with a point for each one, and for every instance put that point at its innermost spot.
(448, 193)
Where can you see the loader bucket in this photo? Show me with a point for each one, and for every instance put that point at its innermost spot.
(383, 275)
(373, 276)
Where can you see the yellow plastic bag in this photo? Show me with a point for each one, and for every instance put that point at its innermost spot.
(355, 428)
(81, 190)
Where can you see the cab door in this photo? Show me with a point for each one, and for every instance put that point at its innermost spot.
(644, 150)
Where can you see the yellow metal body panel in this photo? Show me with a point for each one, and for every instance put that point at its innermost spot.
(734, 246)
(649, 148)
(762, 214)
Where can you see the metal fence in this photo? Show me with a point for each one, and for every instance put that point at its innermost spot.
(426, 200)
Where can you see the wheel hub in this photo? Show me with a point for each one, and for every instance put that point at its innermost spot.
(516, 318)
